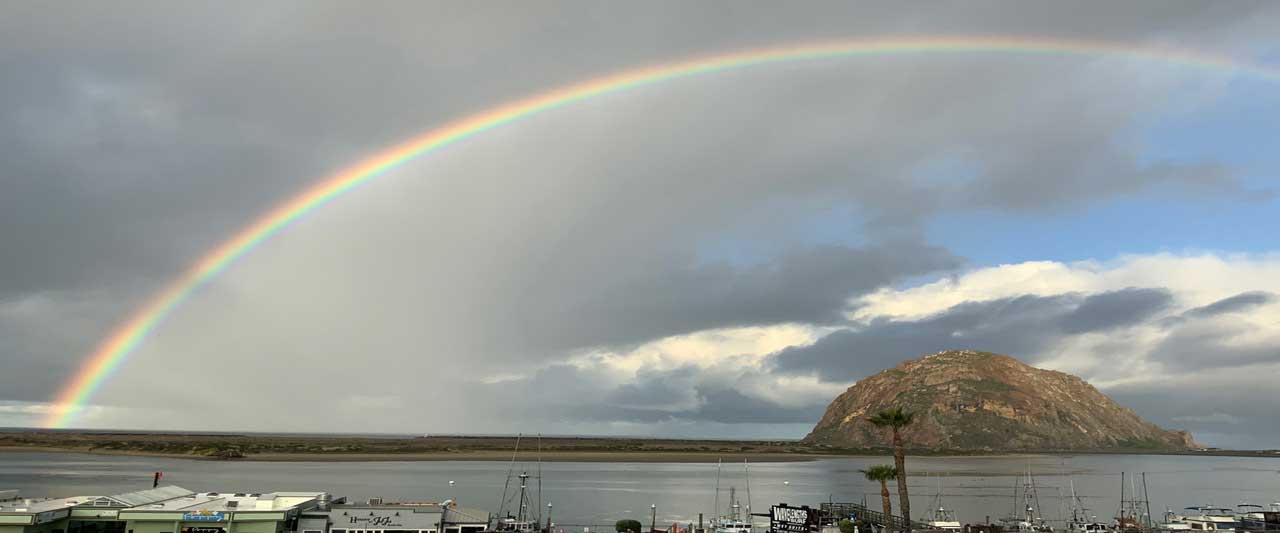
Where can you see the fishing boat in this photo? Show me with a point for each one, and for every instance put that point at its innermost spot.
(734, 520)
(1029, 520)
(941, 517)
(1081, 521)
(517, 510)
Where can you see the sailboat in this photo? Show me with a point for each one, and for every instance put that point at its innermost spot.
(734, 520)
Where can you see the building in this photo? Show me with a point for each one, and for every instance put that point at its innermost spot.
(376, 516)
(168, 509)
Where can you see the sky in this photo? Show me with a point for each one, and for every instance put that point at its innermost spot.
(716, 256)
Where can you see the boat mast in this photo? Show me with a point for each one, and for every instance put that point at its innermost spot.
(717, 506)
(524, 484)
(1034, 496)
(502, 503)
(1146, 498)
(538, 510)
(747, 471)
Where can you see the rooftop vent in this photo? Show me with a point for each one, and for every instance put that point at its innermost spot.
(232, 503)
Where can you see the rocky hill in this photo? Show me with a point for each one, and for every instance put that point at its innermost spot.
(967, 400)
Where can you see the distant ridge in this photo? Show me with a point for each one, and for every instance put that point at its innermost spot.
(977, 401)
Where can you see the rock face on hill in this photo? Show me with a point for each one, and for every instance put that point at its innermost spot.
(966, 400)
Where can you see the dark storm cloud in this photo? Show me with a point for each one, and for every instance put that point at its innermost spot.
(809, 286)
(730, 406)
(1022, 326)
(135, 136)
(1234, 408)
(1206, 346)
(684, 394)
(1116, 309)
(1234, 304)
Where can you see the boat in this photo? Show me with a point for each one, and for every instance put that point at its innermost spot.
(941, 517)
(1080, 520)
(734, 520)
(1209, 518)
(1256, 518)
(1029, 520)
(517, 512)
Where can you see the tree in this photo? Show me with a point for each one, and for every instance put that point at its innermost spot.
(896, 419)
(883, 473)
(625, 525)
(846, 526)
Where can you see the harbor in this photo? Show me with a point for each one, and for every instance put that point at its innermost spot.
(975, 491)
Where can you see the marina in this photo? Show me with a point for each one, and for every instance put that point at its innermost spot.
(1079, 493)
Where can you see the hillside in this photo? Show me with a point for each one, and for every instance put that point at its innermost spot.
(967, 400)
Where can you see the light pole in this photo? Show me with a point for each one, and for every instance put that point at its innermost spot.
(548, 517)
(653, 518)
(452, 495)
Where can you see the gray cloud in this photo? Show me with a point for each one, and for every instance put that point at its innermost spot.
(1116, 309)
(687, 394)
(1234, 304)
(1023, 326)
(136, 137)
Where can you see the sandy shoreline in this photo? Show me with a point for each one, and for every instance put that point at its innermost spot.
(472, 455)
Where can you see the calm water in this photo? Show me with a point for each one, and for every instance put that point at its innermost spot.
(600, 493)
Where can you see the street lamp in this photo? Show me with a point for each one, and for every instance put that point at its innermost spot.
(653, 519)
(452, 495)
(548, 517)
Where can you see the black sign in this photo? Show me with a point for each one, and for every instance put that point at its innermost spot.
(203, 530)
(787, 519)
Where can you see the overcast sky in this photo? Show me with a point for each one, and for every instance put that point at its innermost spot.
(711, 256)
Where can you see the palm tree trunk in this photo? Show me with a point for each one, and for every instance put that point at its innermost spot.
(900, 461)
(888, 505)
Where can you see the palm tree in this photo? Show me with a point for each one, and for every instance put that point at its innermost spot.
(896, 419)
(883, 473)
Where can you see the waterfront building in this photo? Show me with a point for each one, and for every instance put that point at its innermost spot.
(167, 509)
(377, 516)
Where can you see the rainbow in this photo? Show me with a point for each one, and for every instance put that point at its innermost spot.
(108, 356)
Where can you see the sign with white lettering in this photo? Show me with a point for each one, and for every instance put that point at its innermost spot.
(204, 516)
(787, 519)
(203, 530)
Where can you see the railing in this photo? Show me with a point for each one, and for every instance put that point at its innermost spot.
(837, 511)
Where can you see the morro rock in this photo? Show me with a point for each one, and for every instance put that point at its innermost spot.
(966, 400)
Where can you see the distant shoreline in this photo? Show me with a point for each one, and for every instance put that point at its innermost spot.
(317, 448)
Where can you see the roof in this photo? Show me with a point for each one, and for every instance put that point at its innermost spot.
(150, 496)
(466, 514)
(137, 498)
(41, 505)
(239, 502)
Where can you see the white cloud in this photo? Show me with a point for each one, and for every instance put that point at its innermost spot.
(1196, 279)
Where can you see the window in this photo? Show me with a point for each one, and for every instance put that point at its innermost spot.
(330, 531)
(311, 531)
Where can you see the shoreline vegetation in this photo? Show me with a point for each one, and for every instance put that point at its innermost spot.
(299, 448)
